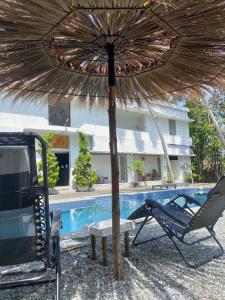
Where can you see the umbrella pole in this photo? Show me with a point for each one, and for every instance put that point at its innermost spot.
(114, 164)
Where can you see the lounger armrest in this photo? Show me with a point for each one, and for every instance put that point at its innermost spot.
(37, 189)
(150, 203)
(189, 199)
(55, 223)
(155, 204)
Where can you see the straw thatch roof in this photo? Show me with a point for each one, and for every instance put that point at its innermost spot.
(58, 47)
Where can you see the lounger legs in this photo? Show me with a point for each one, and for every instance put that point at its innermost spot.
(196, 265)
(57, 285)
(58, 268)
(139, 230)
(134, 243)
(173, 237)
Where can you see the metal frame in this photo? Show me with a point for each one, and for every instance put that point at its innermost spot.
(51, 256)
(172, 235)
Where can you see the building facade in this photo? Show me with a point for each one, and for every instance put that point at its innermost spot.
(137, 137)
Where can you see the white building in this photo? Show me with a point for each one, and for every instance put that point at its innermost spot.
(138, 137)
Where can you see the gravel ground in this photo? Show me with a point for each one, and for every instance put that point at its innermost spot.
(153, 271)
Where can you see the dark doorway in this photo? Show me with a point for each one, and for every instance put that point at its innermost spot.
(63, 159)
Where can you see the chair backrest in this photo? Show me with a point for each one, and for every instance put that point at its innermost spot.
(212, 209)
(14, 176)
(24, 218)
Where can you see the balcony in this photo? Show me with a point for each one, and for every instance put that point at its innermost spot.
(178, 140)
(130, 141)
(163, 110)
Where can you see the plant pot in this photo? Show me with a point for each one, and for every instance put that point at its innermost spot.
(82, 189)
(134, 184)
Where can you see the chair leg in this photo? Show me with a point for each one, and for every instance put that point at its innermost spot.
(189, 264)
(57, 284)
(145, 241)
(139, 230)
(57, 268)
(196, 265)
(219, 245)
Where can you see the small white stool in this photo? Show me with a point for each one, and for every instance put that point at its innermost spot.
(103, 229)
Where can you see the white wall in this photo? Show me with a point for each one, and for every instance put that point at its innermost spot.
(83, 115)
(94, 122)
(171, 111)
(179, 168)
(150, 162)
(102, 165)
(130, 120)
(153, 134)
(130, 140)
(22, 114)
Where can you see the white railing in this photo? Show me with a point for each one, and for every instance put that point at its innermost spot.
(167, 110)
(131, 141)
(178, 140)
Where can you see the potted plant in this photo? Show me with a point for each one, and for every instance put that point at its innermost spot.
(137, 168)
(83, 173)
(52, 163)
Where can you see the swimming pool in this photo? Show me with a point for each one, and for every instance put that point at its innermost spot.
(76, 214)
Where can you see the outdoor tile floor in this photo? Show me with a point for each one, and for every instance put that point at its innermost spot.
(153, 271)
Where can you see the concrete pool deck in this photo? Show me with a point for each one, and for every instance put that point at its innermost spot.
(67, 194)
(153, 272)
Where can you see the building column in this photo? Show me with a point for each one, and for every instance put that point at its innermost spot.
(130, 173)
(163, 166)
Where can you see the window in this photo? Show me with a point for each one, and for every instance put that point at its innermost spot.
(173, 157)
(59, 114)
(172, 127)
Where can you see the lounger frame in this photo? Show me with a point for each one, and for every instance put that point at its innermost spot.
(47, 226)
(174, 236)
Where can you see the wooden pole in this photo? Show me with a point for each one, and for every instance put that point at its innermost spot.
(114, 165)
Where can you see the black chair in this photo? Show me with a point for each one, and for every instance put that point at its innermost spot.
(27, 231)
(178, 219)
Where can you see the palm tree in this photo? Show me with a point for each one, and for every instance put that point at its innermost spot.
(213, 120)
(164, 145)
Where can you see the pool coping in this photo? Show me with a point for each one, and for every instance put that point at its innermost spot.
(93, 197)
(70, 195)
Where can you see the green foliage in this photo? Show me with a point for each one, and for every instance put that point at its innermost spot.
(217, 103)
(191, 175)
(167, 176)
(209, 161)
(84, 174)
(138, 167)
(52, 163)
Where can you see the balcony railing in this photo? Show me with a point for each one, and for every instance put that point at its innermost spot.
(133, 141)
(163, 110)
(178, 140)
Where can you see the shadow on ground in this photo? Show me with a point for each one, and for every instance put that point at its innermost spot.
(153, 271)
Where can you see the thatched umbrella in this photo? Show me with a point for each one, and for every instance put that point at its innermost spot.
(83, 49)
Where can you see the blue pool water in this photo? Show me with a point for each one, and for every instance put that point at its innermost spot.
(76, 214)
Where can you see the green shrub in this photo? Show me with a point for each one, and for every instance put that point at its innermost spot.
(83, 172)
(52, 163)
